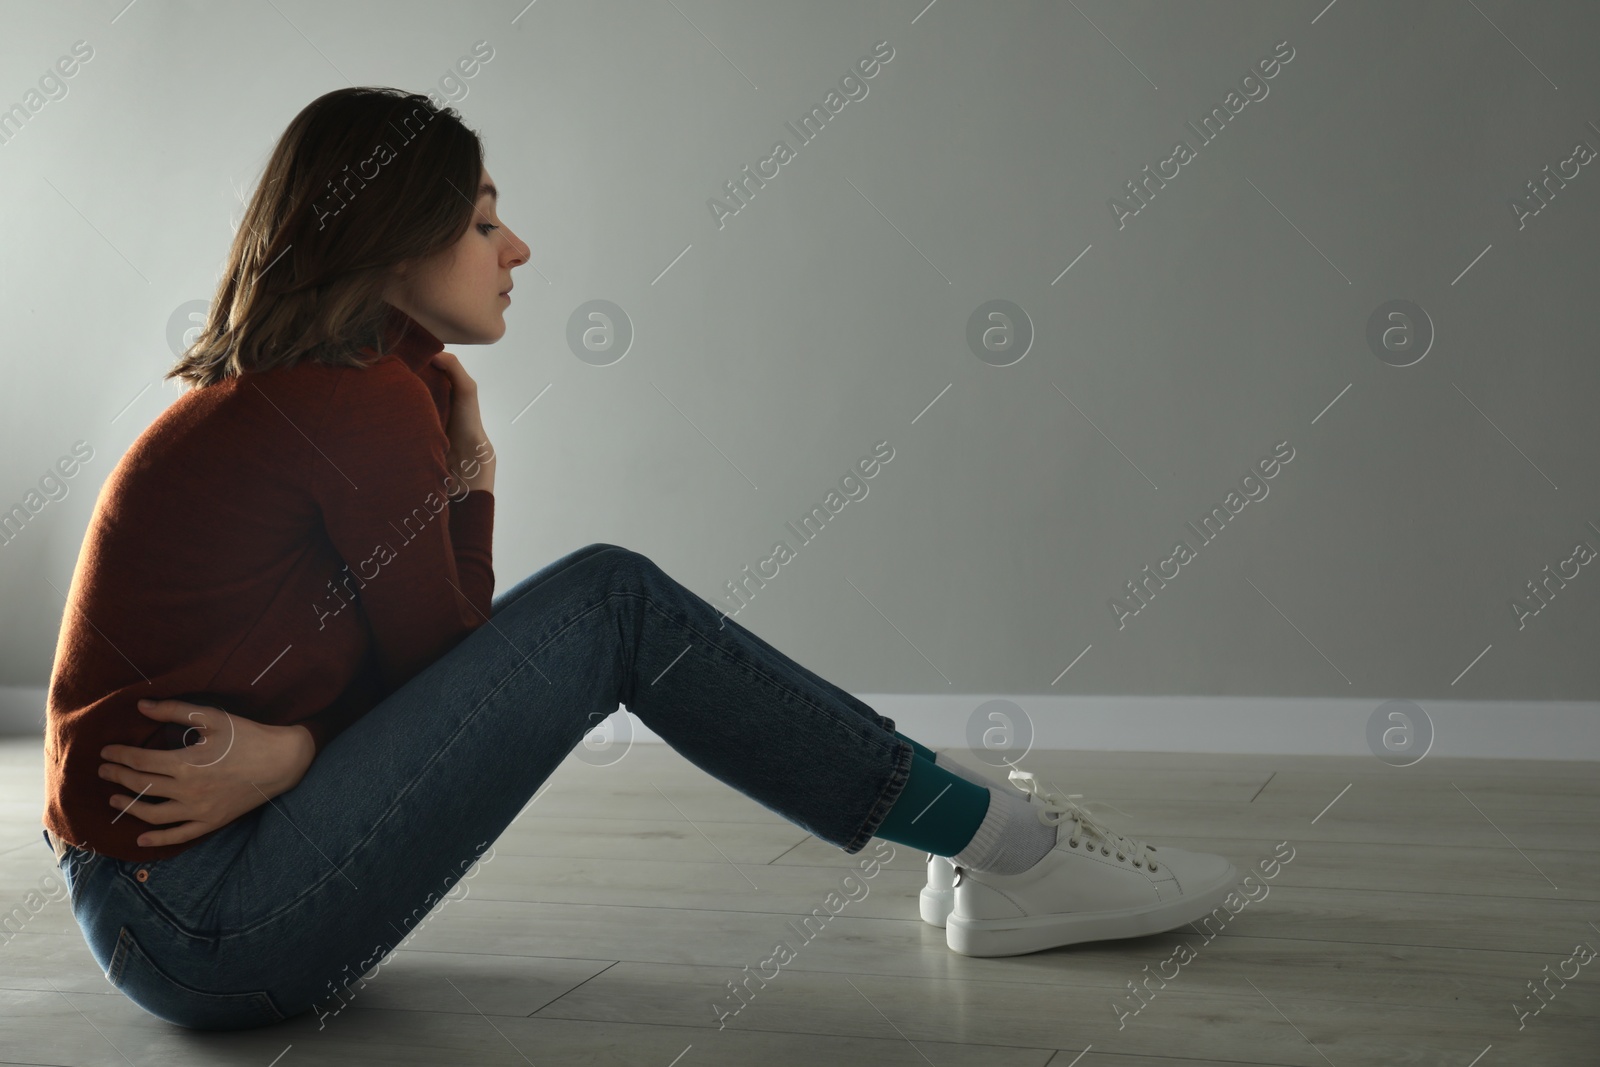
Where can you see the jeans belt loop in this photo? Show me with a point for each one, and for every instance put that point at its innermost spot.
(59, 845)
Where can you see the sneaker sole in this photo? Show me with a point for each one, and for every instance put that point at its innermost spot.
(1035, 933)
(936, 905)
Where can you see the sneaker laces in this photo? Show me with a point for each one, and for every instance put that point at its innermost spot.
(1055, 806)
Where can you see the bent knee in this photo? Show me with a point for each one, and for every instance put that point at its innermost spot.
(617, 552)
(616, 558)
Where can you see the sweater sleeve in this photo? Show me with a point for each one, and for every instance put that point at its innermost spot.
(418, 562)
(472, 536)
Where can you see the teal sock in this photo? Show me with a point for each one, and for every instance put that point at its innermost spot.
(937, 811)
(922, 750)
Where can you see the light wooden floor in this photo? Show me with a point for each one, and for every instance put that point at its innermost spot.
(1415, 911)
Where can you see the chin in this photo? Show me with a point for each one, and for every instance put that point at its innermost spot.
(485, 333)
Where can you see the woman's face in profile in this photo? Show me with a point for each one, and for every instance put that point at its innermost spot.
(458, 295)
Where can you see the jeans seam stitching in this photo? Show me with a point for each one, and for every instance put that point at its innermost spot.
(260, 999)
(121, 957)
(154, 907)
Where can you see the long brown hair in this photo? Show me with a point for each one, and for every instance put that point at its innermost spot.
(361, 181)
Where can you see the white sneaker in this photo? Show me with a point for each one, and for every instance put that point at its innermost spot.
(1094, 885)
(938, 896)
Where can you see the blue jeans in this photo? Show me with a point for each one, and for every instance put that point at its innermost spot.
(281, 909)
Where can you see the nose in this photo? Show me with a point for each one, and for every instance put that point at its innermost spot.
(519, 250)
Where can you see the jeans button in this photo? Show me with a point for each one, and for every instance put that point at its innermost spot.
(141, 874)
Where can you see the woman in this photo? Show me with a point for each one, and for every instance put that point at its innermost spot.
(287, 711)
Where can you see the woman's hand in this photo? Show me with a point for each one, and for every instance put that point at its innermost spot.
(235, 766)
(470, 456)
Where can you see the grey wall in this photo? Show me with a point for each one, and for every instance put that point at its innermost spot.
(1231, 313)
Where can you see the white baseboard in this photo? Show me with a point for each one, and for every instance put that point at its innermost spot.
(1309, 726)
(1472, 729)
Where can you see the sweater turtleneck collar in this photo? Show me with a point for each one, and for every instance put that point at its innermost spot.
(407, 338)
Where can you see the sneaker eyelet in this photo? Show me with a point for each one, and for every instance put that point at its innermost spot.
(1152, 865)
(1073, 841)
(1121, 858)
(1104, 851)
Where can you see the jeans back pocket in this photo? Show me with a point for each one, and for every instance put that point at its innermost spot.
(137, 976)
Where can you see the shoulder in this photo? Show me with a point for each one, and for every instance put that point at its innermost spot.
(384, 392)
(383, 411)
(380, 430)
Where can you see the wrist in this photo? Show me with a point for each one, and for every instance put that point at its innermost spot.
(481, 478)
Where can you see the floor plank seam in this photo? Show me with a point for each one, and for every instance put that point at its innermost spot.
(580, 985)
(1264, 785)
(791, 848)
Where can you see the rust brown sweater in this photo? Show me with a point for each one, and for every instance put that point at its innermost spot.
(284, 545)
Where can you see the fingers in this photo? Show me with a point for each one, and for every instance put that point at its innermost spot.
(138, 781)
(148, 811)
(153, 760)
(451, 365)
(177, 711)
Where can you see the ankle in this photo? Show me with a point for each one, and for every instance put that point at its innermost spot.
(1011, 838)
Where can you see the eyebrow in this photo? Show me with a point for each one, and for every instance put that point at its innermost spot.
(488, 189)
